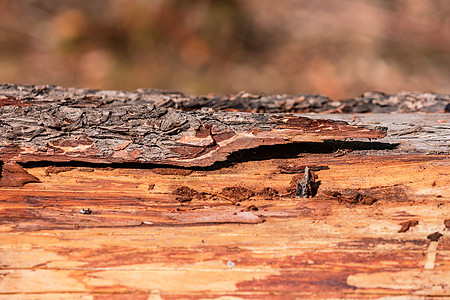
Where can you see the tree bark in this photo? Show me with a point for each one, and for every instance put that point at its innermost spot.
(370, 102)
(69, 131)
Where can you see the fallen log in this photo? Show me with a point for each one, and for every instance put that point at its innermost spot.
(314, 211)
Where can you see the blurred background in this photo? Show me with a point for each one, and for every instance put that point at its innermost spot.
(336, 48)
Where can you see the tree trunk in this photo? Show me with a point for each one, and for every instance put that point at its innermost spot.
(137, 200)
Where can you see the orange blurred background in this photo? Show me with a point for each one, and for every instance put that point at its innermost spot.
(336, 48)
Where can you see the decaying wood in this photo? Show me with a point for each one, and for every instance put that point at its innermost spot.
(377, 226)
(146, 134)
(141, 239)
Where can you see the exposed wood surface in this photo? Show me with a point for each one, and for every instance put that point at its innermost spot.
(378, 226)
(143, 238)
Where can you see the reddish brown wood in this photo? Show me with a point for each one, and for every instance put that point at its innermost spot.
(378, 226)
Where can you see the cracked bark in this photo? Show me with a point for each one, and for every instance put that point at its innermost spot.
(369, 102)
(62, 132)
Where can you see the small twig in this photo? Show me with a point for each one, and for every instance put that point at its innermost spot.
(226, 198)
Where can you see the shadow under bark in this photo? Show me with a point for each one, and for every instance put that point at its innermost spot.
(291, 150)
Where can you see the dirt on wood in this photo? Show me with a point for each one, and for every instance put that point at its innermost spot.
(405, 226)
(447, 224)
(268, 192)
(57, 170)
(354, 197)
(434, 237)
(187, 194)
(172, 171)
(237, 193)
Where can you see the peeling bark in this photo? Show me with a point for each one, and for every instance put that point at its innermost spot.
(147, 134)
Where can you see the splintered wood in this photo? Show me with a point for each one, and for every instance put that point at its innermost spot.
(118, 202)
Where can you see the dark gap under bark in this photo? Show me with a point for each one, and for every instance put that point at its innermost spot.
(291, 150)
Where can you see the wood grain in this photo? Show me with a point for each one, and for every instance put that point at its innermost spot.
(87, 226)
(141, 240)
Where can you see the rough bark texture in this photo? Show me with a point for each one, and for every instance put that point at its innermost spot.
(374, 102)
(63, 131)
(376, 226)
